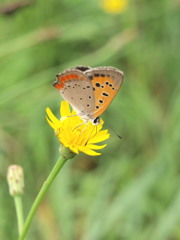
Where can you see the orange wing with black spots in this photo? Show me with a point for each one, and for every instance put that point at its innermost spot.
(106, 82)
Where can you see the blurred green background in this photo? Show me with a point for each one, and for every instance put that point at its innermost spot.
(132, 191)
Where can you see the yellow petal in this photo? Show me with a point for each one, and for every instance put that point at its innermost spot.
(76, 122)
(81, 139)
(74, 149)
(88, 133)
(51, 124)
(99, 137)
(88, 151)
(64, 109)
(52, 117)
(65, 144)
(73, 112)
(99, 126)
(75, 137)
(96, 147)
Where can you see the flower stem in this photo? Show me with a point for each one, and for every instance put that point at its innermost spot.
(19, 212)
(59, 164)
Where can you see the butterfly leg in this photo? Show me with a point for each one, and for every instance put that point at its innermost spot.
(78, 125)
(75, 115)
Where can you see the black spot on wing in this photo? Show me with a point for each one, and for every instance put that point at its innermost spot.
(82, 68)
(96, 74)
(105, 94)
(98, 85)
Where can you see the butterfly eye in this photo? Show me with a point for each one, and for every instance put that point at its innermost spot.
(96, 121)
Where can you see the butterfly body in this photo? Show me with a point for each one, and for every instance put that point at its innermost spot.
(89, 90)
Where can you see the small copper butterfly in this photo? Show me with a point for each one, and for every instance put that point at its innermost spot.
(89, 90)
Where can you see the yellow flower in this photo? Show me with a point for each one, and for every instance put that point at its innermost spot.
(114, 6)
(74, 134)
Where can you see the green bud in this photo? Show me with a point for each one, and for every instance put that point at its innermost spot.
(15, 178)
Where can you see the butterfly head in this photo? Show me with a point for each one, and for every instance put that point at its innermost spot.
(96, 121)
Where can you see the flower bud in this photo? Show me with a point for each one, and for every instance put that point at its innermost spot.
(15, 178)
(66, 152)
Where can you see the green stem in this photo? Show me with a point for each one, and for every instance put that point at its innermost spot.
(19, 212)
(59, 164)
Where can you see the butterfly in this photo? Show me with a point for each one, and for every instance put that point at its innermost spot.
(89, 90)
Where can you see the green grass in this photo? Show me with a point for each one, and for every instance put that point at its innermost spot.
(132, 190)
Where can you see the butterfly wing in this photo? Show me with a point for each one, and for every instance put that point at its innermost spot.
(76, 88)
(106, 82)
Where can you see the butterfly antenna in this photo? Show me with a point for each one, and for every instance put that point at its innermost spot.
(117, 135)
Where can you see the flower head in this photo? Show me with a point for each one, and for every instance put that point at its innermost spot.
(114, 6)
(74, 134)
